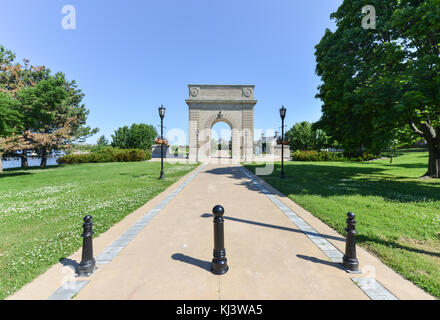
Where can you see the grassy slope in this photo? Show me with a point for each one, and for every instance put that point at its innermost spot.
(398, 215)
(41, 211)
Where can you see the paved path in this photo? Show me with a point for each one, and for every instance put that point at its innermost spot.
(269, 256)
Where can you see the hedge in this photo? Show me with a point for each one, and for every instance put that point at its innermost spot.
(107, 155)
(330, 156)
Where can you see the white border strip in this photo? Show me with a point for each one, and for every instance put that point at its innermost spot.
(373, 289)
(68, 290)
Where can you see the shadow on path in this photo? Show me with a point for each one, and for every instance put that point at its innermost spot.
(325, 262)
(208, 215)
(66, 262)
(205, 265)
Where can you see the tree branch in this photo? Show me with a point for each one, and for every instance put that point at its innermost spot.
(415, 129)
(430, 129)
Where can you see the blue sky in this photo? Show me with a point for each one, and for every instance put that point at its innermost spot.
(129, 57)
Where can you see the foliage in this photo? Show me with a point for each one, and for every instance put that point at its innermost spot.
(107, 155)
(331, 156)
(99, 147)
(10, 117)
(313, 155)
(360, 156)
(40, 106)
(377, 81)
(138, 136)
(303, 136)
(102, 141)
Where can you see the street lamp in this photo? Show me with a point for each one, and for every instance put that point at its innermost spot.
(282, 115)
(161, 115)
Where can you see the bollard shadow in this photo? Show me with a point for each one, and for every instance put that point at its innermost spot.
(205, 265)
(66, 262)
(337, 265)
(207, 215)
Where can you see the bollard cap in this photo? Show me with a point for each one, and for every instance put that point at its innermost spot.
(218, 210)
(87, 218)
(350, 216)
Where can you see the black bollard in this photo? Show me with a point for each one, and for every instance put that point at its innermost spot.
(350, 261)
(87, 265)
(219, 262)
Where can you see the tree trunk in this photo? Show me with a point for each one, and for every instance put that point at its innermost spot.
(1, 164)
(432, 137)
(43, 163)
(434, 160)
(24, 159)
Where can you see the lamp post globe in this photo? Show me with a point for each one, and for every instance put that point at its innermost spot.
(283, 112)
(161, 115)
(162, 112)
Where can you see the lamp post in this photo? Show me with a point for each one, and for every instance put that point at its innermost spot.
(161, 115)
(282, 115)
(197, 146)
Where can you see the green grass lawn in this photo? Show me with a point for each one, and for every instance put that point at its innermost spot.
(398, 214)
(41, 210)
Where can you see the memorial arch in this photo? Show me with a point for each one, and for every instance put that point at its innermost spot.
(232, 104)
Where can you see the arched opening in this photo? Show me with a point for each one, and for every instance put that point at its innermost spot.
(221, 140)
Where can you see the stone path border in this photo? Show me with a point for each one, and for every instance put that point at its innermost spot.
(69, 289)
(373, 289)
(369, 286)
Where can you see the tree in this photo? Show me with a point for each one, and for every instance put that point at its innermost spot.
(10, 123)
(102, 141)
(13, 78)
(138, 136)
(11, 144)
(302, 136)
(55, 140)
(54, 105)
(48, 104)
(377, 81)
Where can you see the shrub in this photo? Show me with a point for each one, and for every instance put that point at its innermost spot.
(331, 156)
(107, 155)
(100, 147)
(361, 156)
(316, 156)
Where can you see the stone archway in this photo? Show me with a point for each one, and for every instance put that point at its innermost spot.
(209, 104)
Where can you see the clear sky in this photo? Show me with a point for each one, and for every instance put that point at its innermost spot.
(131, 56)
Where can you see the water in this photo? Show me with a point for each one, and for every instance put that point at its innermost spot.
(33, 162)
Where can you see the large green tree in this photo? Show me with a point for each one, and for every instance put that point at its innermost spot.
(139, 136)
(376, 82)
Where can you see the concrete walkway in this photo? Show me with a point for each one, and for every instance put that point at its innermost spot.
(269, 257)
